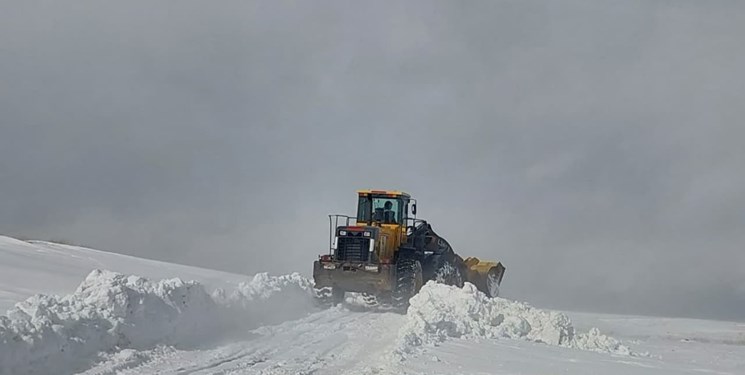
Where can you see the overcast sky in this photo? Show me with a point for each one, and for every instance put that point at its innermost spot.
(596, 148)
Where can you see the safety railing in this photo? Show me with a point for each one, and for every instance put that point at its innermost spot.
(336, 219)
(334, 223)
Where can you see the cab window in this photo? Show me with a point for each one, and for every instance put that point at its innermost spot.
(387, 210)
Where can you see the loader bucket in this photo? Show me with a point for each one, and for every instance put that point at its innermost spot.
(485, 275)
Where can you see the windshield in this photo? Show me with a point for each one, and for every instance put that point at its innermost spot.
(383, 209)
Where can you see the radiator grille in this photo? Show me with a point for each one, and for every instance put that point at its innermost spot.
(353, 249)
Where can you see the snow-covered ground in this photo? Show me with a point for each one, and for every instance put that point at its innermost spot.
(28, 268)
(108, 322)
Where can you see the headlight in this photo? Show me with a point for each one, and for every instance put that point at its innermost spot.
(367, 234)
(342, 233)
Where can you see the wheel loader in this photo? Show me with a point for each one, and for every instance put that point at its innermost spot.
(386, 252)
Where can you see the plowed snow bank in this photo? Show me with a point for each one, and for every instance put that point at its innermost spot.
(268, 299)
(46, 334)
(441, 311)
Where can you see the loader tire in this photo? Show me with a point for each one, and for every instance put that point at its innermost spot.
(328, 297)
(408, 282)
(322, 297)
(369, 300)
(337, 296)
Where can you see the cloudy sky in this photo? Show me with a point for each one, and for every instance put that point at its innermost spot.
(595, 147)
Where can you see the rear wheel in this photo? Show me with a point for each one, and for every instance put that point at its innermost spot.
(337, 295)
(369, 299)
(408, 281)
(385, 299)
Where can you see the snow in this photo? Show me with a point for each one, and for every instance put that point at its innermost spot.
(114, 311)
(440, 311)
(28, 268)
(118, 323)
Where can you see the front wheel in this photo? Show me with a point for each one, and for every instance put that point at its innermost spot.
(408, 281)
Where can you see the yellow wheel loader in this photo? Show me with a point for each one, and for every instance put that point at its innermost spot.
(386, 252)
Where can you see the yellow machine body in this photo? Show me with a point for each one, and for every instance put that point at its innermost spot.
(386, 250)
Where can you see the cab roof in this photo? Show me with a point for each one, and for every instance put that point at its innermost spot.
(384, 192)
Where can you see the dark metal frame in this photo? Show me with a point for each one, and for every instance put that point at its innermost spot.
(333, 224)
(334, 220)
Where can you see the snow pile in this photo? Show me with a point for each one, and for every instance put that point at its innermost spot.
(264, 286)
(268, 299)
(440, 311)
(114, 311)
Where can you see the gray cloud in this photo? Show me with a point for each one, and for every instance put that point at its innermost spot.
(594, 147)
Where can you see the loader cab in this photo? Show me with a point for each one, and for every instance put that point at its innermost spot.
(379, 207)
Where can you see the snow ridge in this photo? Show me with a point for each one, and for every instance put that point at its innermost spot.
(440, 311)
(268, 300)
(114, 311)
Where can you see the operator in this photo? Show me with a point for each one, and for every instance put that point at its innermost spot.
(388, 215)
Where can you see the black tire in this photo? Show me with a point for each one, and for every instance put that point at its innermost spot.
(408, 281)
(337, 296)
(384, 299)
(448, 274)
(369, 299)
(322, 297)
